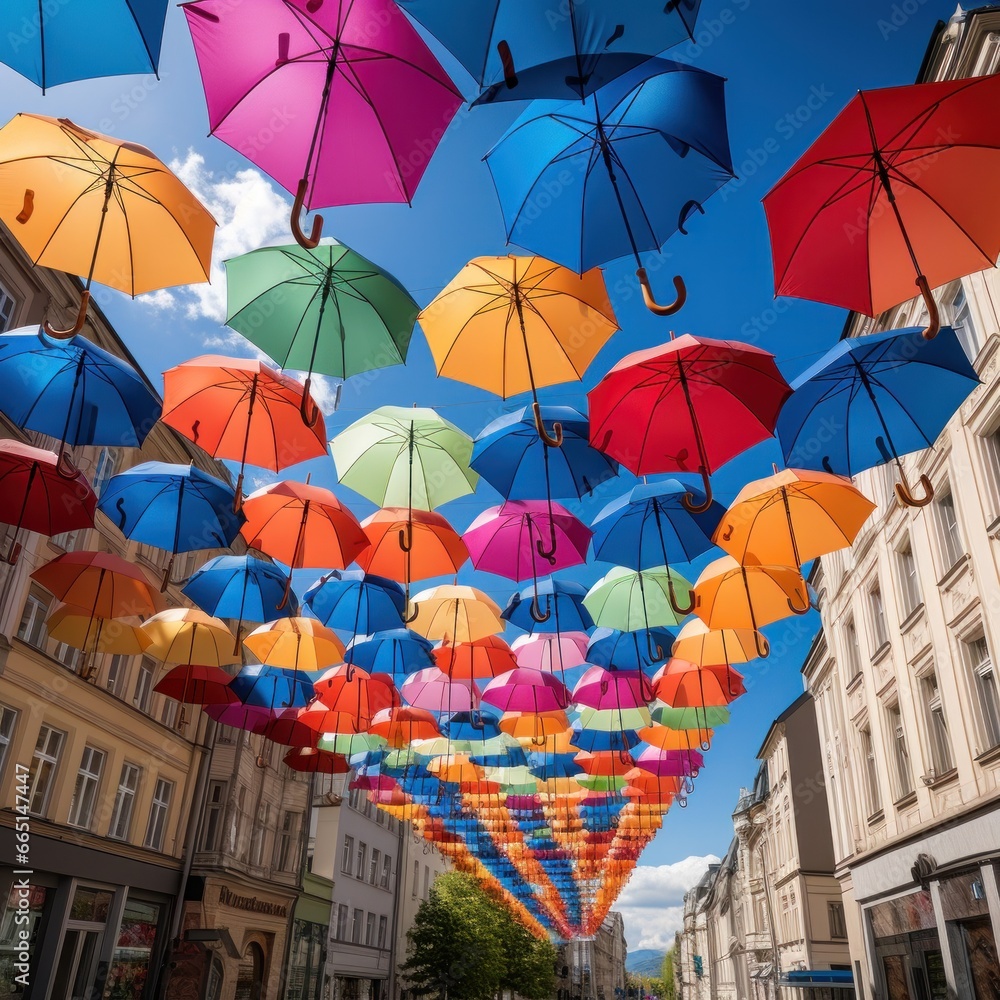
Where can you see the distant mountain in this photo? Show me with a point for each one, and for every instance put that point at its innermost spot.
(645, 962)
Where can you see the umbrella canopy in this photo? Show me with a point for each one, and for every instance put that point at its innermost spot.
(394, 652)
(527, 690)
(675, 739)
(188, 635)
(513, 459)
(296, 643)
(323, 309)
(351, 691)
(399, 457)
(102, 584)
(250, 718)
(879, 202)
(594, 739)
(612, 689)
(687, 406)
(354, 602)
(534, 727)
(407, 545)
(402, 725)
(697, 643)
(273, 688)
(489, 656)
(114, 636)
(435, 691)
(608, 720)
(313, 761)
(455, 613)
(550, 606)
(34, 496)
(243, 410)
(632, 600)
(670, 763)
(551, 651)
(793, 517)
(197, 685)
(687, 685)
(698, 719)
(609, 647)
(884, 395)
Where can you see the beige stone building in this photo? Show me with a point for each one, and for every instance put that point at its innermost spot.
(594, 968)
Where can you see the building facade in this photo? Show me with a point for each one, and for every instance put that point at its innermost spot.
(594, 968)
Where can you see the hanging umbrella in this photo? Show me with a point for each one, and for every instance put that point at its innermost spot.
(534, 727)
(102, 584)
(594, 739)
(612, 689)
(74, 391)
(323, 309)
(114, 636)
(86, 203)
(792, 517)
(349, 690)
(455, 613)
(526, 690)
(402, 725)
(884, 395)
(188, 635)
(648, 148)
(272, 687)
(514, 324)
(197, 685)
(296, 643)
(435, 691)
(697, 643)
(687, 406)
(355, 603)
(563, 610)
(609, 647)
(394, 652)
(489, 656)
(35, 497)
(177, 508)
(607, 720)
(81, 41)
(878, 205)
(698, 718)
(687, 685)
(313, 761)
(670, 763)
(675, 739)
(551, 651)
(244, 411)
(250, 718)
(379, 93)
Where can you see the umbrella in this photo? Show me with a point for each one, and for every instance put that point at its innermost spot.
(74, 391)
(296, 643)
(104, 585)
(792, 517)
(197, 685)
(394, 651)
(561, 50)
(609, 720)
(527, 690)
(670, 763)
(355, 603)
(551, 651)
(879, 203)
(242, 410)
(349, 690)
(86, 203)
(35, 497)
(77, 628)
(188, 635)
(648, 149)
(363, 81)
(564, 608)
(323, 309)
(177, 508)
(512, 324)
(489, 656)
(687, 406)
(675, 739)
(870, 400)
(435, 691)
(534, 727)
(697, 643)
(688, 685)
(314, 761)
(611, 689)
(594, 740)
(82, 41)
(251, 718)
(273, 688)
(611, 647)
(697, 718)
(402, 725)
(511, 457)
(455, 613)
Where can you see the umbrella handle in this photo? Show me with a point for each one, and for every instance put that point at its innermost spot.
(651, 304)
(309, 419)
(259, 761)
(760, 641)
(933, 316)
(65, 467)
(797, 610)
(705, 746)
(284, 597)
(13, 552)
(238, 495)
(686, 213)
(673, 599)
(548, 554)
(306, 242)
(688, 498)
(536, 611)
(406, 538)
(553, 440)
(906, 497)
(538, 741)
(81, 318)
(655, 649)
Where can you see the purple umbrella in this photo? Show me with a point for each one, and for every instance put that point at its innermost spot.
(673, 763)
(252, 718)
(341, 103)
(612, 689)
(526, 690)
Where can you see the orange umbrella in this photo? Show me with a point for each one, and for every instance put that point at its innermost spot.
(104, 584)
(244, 411)
(536, 728)
(486, 657)
(675, 739)
(401, 726)
(296, 644)
(353, 691)
(686, 685)
(607, 763)
(697, 643)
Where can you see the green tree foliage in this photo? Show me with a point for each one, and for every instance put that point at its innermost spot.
(466, 946)
(668, 976)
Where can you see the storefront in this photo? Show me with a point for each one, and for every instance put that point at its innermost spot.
(306, 977)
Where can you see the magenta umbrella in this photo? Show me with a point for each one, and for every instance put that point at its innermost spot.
(610, 689)
(551, 651)
(526, 690)
(435, 691)
(252, 718)
(342, 103)
(670, 763)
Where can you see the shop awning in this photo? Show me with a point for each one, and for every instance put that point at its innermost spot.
(836, 979)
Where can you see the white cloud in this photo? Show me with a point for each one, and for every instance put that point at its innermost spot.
(652, 903)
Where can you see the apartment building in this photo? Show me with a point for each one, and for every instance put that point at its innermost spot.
(594, 968)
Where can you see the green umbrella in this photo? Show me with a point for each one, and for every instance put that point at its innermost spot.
(399, 457)
(614, 720)
(698, 717)
(349, 744)
(326, 310)
(633, 601)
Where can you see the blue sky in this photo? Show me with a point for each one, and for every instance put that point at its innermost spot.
(790, 67)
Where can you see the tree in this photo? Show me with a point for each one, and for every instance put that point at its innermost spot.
(530, 962)
(668, 976)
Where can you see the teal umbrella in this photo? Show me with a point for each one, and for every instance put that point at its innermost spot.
(325, 310)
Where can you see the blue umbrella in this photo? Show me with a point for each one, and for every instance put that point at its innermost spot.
(629, 164)
(511, 456)
(273, 687)
(356, 603)
(518, 50)
(475, 726)
(629, 650)
(177, 508)
(73, 391)
(551, 606)
(81, 40)
(871, 399)
(553, 765)
(396, 651)
(594, 740)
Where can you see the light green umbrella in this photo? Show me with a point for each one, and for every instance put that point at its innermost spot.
(632, 601)
(326, 310)
(601, 782)
(399, 457)
(613, 720)
(349, 744)
(704, 718)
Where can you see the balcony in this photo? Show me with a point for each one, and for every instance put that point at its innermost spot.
(758, 941)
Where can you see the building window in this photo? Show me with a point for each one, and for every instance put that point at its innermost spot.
(215, 805)
(382, 926)
(359, 872)
(44, 762)
(69, 656)
(117, 674)
(872, 790)
(380, 817)
(985, 681)
(416, 879)
(964, 325)
(900, 754)
(937, 725)
(949, 533)
(258, 836)
(348, 856)
(909, 585)
(8, 719)
(373, 866)
(32, 628)
(386, 872)
(427, 881)
(343, 915)
(104, 469)
(357, 926)
(852, 649)
(880, 632)
(168, 712)
(121, 815)
(144, 684)
(7, 305)
(284, 855)
(370, 930)
(157, 825)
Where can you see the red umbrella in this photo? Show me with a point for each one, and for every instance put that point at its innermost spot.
(289, 729)
(352, 691)
(687, 406)
(403, 725)
(486, 657)
(313, 761)
(198, 685)
(35, 496)
(104, 584)
(686, 685)
(886, 199)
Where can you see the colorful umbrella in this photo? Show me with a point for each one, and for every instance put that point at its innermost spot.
(381, 92)
(455, 613)
(273, 688)
(435, 691)
(188, 635)
(86, 203)
(526, 690)
(551, 651)
(197, 685)
(394, 652)
(34, 496)
(687, 406)
(296, 643)
(670, 763)
(631, 600)
(251, 718)
(688, 685)
(609, 647)
(104, 585)
(313, 761)
(533, 727)
(349, 690)
(564, 609)
(883, 395)
(697, 643)
(77, 628)
(489, 656)
(612, 689)
(356, 603)
(403, 725)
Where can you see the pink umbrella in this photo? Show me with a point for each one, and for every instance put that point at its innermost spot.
(612, 689)
(510, 540)
(670, 763)
(526, 690)
(374, 783)
(551, 650)
(341, 103)
(252, 718)
(434, 690)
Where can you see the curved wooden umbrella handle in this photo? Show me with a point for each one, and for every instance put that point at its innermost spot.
(796, 610)
(309, 419)
(651, 304)
(655, 650)
(683, 612)
(536, 611)
(688, 498)
(65, 467)
(283, 603)
(81, 318)
(553, 440)
(906, 497)
(406, 538)
(167, 581)
(306, 242)
(933, 316)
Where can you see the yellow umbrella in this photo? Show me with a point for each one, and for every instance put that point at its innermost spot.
(296, 643)
(188, 635)
(792, 517)
(455, 613)
(86, 203)
(455, 767)
(697, 643)
(78, 628)
(546, 729)
(511, 324)
(731, 595)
